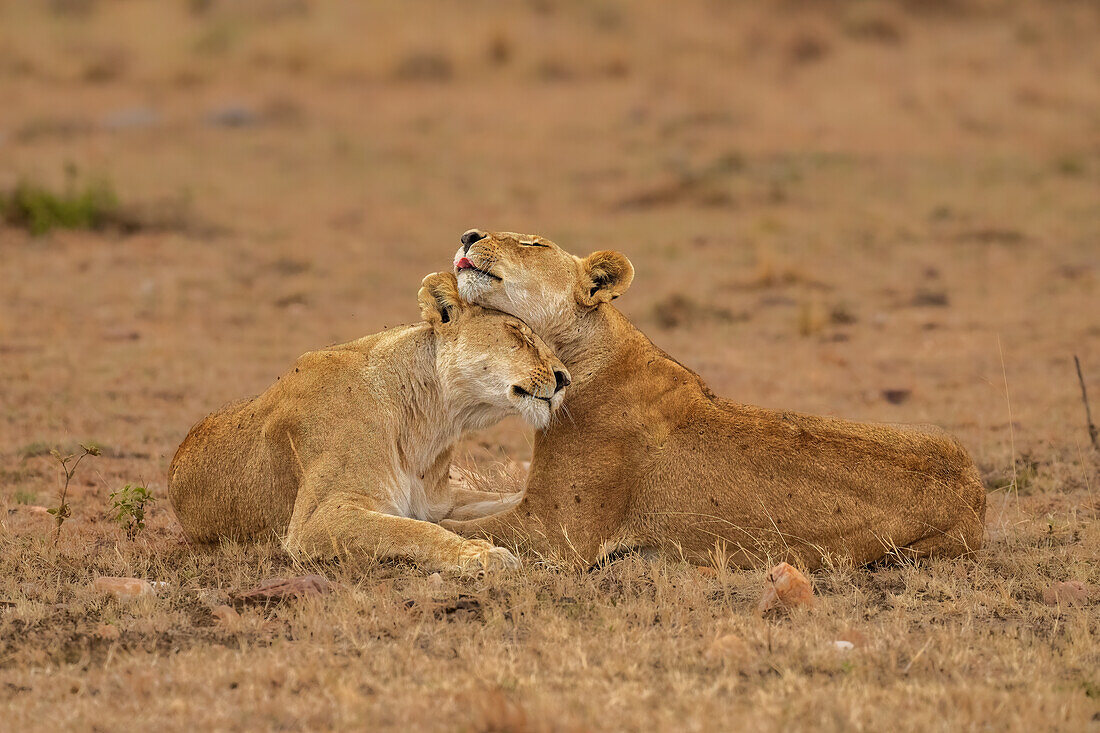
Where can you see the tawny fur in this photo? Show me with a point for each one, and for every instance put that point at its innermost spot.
(645, 456)
(347, 454)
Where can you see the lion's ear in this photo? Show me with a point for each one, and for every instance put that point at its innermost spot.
(439, 298)
(604, 276)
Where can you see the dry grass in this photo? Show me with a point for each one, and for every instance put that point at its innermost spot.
(875, 210)
(942, 645)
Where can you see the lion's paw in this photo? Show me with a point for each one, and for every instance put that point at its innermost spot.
(479, 555)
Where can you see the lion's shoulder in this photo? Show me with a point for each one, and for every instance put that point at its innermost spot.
(342, 378)
(392, 349)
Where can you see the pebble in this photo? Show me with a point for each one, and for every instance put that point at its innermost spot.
(787, 588)
(130, 119)
(107, 631)
(232, 115)
(227, 616)
(728, 647)
(1067, 593)
(124, 587)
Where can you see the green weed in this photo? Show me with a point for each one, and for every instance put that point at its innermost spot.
(129, 504)
(37, 209)
(61, 512)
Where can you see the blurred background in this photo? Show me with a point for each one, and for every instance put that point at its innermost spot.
(879, 210)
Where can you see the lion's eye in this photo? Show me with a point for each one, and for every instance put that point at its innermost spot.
(534, 244)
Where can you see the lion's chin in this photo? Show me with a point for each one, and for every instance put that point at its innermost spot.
(535, 412)
(473, 284)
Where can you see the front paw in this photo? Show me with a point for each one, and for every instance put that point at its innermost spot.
(463, 527)
(480, 556)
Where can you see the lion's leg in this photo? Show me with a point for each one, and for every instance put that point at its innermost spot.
(523, 528)
(472, 504)
(965, 502)
(344, 524)
(963, 539)
(504, 528)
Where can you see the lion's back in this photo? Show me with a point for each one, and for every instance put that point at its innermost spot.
(237, 472)
(217, 475)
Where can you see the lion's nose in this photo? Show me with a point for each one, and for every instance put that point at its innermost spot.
(561, 380)
(468, 239)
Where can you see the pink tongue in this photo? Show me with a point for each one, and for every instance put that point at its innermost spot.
(464, 264)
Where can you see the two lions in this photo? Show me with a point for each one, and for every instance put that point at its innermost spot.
(652, 459)
(347, 454)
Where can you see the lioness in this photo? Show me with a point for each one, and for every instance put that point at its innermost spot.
(649, 457)
(348, 452)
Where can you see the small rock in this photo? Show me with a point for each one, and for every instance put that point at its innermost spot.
(435, 581)
(680, 310)
(896, 396)
(277, 589)
(844, 646)
(129, 119)
(807, 47)
(1068, 593)
(124, 587)
(424, 66)
(853, 637)
(787, 588)
(931, 298)
(121, 334)
(727, 647)
(232, 115)
(227, 616)
(106, 631)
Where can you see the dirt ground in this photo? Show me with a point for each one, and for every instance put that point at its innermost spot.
(873, 210)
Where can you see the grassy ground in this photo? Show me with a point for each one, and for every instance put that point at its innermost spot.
(879, 211)
(639, 644)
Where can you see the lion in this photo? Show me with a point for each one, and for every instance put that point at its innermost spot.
(348, 453)
(647, 458)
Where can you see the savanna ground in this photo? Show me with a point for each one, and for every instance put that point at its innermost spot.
(879, 211)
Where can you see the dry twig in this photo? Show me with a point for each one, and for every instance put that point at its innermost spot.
(1093, 432)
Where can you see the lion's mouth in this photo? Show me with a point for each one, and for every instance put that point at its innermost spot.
(527, 403)
(519, 391)
(463, 264)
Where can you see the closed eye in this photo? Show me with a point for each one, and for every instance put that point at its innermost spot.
(534, 244)
(523, 338)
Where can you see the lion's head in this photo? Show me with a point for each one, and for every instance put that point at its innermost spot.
(532, 278)
(489, 362)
